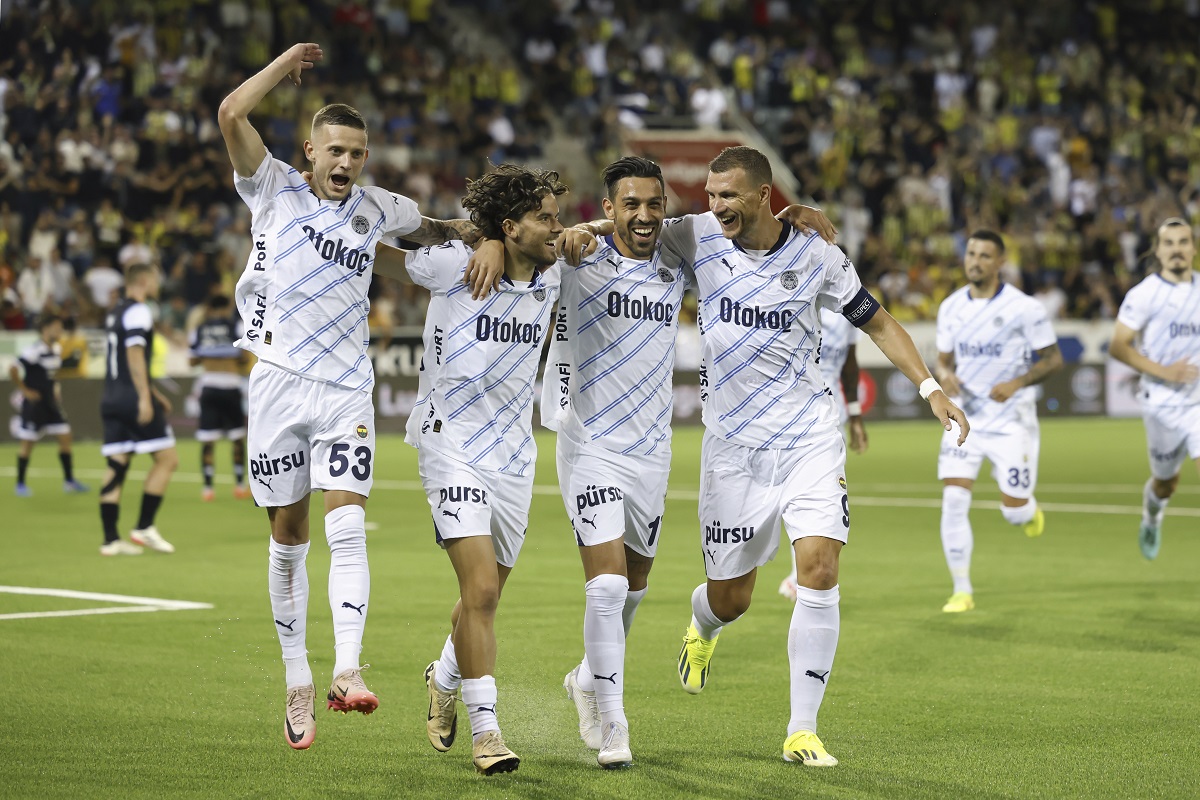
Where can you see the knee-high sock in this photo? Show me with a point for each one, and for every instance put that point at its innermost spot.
(445, 670)
(349, 583)
(287, 581)
(1019, 515)
(1153, 506)
(957, 540)
(604, 641)
(707, 623)
(812, 643)
(632, 600)
(479, 696)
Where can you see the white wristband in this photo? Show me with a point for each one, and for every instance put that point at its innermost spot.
(854, 409)
(928, 387)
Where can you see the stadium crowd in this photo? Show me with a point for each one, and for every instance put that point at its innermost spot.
(911, 123)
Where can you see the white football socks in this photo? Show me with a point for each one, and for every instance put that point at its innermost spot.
(633, 599)
(446, 676)
(349, 583)
(812, 643)
(957, 540)
(1019, 515)
(479, 696)
(706, 623)
(604, 642)
(1153, 506)
(287, 583)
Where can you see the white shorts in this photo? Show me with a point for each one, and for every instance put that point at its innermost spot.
(305, 434)
(1013, 451)
(745, 494)
(1171, 435)
(609, 495)
(468, 501)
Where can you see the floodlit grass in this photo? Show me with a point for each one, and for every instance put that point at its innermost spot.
(1077, 675)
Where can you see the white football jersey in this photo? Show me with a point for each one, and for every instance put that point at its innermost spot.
(475, 393)
(837, 336)
(612, 353)
(760, 330)
(303, 296)
(1168, 317)
(992, 340)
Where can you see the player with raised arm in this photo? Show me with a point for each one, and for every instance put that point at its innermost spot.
(838, 362)
(472, 426)
(222, 391)
(134, 415)
(987, 333)
(772, 450)
(1158, 334)
(41, 403)
(303, 305)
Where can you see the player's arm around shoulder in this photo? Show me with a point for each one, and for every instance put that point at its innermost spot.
(895, 343)
(246, 148)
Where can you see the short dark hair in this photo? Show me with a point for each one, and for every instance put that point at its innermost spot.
(508, 192)
(339, 114)
(756, 165)
(218, 302)
(985, 235)
(46, 320)
(631, 167)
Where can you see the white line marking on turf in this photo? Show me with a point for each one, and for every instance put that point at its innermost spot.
(135, 604)
(550, 489)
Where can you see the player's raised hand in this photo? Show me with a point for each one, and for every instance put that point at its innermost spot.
(484, 268)
(807, 219)
(574, 245)
(300, 57)
(947, 412)
(1182, 371)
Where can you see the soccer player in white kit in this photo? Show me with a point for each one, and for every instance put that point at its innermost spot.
(838, 362)
(772, 450)
(987, 332)
(608, 392)
(1158, 334)
(303, 304)
(472, 426)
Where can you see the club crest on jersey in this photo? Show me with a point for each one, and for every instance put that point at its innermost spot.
(841, 481)
(539, 295)
(361, 430)
(360, 224)
(789, 279)
(665, 275)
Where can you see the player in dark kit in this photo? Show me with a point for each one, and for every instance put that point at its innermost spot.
(222, 391)
(134, 416)
(41, 406)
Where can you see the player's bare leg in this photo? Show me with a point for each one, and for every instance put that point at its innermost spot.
(157, 480)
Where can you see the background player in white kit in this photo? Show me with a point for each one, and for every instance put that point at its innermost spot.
(41, 403)
(608, 392)
(472, 426)
(303, 303)
(839, 368)
(222, 392)
(772, 450)
(1158, 334)
(987, 332)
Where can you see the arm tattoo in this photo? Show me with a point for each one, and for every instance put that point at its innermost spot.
(438, 231)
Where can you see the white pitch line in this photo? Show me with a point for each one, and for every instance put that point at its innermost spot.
(135, 604)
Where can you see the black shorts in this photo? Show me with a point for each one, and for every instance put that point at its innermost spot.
(221, 414)
(122, 434)
(41, 419)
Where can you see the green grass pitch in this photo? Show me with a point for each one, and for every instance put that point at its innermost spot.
(1077, 676)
